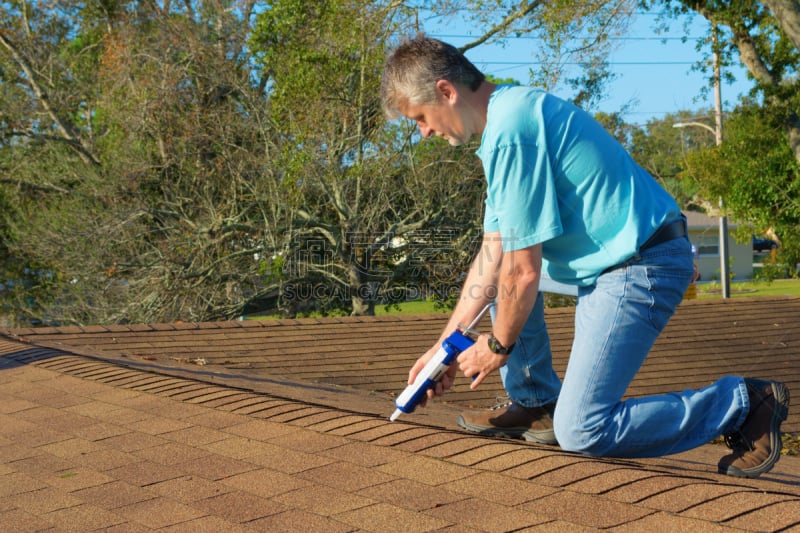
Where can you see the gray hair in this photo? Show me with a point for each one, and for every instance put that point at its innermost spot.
(414, 67)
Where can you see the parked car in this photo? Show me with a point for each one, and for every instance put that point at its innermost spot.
(762, 244)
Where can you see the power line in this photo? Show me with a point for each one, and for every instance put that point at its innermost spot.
(502, 11)
(533, 38)
(578, 63)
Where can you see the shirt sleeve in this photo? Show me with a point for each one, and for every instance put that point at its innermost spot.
(522, 196)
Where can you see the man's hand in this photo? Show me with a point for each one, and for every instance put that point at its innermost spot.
(478, 361)
(442, 385)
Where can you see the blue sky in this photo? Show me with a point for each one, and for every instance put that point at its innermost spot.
(654, 75)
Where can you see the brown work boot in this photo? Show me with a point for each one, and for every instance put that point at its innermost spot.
(512, 420)
(757, 444)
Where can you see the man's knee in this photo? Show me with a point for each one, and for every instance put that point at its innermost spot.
(582, 436)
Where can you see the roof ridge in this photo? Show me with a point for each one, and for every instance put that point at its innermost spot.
(390, 318)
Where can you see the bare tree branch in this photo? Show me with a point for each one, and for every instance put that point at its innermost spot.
(524, 10)
(41, 95)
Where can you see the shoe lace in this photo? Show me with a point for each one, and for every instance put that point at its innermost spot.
(737, 441)
(500, 402)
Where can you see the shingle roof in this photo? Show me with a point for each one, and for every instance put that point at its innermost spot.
(286, 428)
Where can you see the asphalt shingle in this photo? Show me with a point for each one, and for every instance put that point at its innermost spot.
(111, 428)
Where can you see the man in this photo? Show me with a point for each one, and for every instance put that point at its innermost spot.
(565, 201)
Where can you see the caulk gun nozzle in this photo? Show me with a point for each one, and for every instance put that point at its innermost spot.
(397, 413)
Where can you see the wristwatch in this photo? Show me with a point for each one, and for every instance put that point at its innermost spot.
(496, 347)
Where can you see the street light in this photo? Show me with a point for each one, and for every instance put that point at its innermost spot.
(696, 124)
(723, 219)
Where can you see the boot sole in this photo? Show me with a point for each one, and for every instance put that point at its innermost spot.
(541, 437)
(781, 394)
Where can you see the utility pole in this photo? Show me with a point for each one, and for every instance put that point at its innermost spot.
(723, 218)
(724, 266)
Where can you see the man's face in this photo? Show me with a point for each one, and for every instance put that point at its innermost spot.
(442, 118)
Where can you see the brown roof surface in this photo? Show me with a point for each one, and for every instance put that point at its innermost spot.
(285, 428)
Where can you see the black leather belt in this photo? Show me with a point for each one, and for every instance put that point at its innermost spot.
(667, 232)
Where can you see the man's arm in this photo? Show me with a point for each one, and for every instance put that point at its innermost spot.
(517, 289)
(478, 290)
(480, 286)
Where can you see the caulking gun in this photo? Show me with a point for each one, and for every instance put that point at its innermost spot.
(454, 344)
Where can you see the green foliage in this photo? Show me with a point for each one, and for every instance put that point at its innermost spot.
(502, 81)
(755, 169)
(187, 160)
(756, 173)
(147, 200)
(367, 199)
(660, 148)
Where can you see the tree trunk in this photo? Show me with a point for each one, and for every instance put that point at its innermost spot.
(793, 133)
(787, 13)
(361, 294)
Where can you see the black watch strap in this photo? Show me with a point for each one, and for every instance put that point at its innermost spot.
(496, 347)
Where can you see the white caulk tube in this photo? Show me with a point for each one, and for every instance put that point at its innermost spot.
(432, 372)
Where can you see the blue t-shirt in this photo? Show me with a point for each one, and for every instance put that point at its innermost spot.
(555, 176)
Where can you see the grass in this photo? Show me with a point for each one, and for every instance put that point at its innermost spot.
(705, 291)
(409, 308)
(779, 287)
(405, 308)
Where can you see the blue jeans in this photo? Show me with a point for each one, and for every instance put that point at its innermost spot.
(617, 320)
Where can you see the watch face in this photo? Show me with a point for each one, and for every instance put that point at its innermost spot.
(496, 347)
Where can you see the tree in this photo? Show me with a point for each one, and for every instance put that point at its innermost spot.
(360, 204)
(43, 153)
(765, 128)
(186, 160)
(754, 171)
(766, 37)
(562, 34)
(146, 195)
(362, 209)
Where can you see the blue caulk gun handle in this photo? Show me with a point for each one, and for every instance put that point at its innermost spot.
(435, 368)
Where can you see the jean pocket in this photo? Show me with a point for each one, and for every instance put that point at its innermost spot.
(667, 287)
